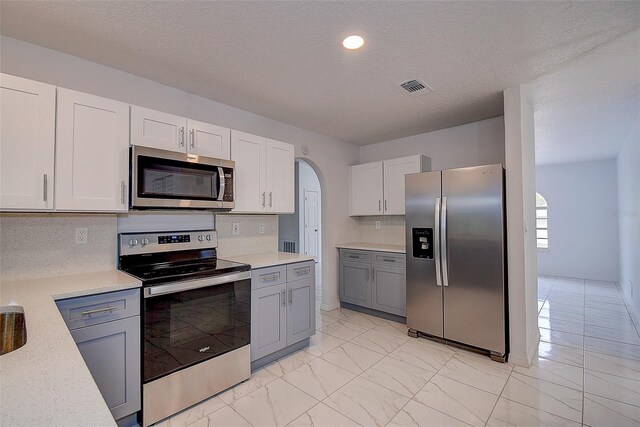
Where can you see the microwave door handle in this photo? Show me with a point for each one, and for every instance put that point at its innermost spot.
(220, 184)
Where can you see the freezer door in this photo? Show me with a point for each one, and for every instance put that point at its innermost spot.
(473, 261)
(424, 292)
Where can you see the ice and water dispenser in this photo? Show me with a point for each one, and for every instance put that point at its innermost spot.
(422, 242)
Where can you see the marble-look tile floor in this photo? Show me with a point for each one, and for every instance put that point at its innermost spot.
(362, 370)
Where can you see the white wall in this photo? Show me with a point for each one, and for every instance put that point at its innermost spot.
(628, 214)
(583, 231)
(289, 224)
(521, 240)
(472, 144)
(330, 157)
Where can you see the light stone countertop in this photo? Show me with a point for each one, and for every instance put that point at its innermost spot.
(380, 247)
(46, 382)
(269, 259)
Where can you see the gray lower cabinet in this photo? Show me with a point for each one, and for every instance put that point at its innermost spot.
(112, 353)
(355, 281)
(389, 290)
(106, 329)
(282, 307)
(268, 320)
(375, 280)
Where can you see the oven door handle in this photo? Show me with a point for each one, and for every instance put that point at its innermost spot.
(153, 291)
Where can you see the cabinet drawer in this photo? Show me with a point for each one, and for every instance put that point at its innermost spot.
(389, 259)
(352, 255)
(268, 276)
(301, 270)
(95, 309)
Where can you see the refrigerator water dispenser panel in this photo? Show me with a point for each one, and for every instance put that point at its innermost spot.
(422, 242)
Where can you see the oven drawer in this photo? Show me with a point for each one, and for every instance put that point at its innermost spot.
(95, 309)
(268, 276)
(352, 255)
(301, 270)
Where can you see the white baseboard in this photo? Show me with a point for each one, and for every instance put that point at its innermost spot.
(524, 360)
(633, 310)
(330, 306)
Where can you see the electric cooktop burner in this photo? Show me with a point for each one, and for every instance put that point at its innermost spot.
(151, 274)
(173, 256)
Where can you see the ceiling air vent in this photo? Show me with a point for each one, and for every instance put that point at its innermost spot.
(415, 87)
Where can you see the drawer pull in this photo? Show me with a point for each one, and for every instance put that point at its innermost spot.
(389, 259)
(98, 310)
(354, 256)
(270, 278)
(302, 271)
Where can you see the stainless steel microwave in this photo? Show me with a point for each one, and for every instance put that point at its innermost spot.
(162, 179)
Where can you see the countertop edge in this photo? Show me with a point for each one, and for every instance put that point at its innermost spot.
(377, 247)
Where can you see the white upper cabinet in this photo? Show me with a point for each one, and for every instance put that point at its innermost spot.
(280, 177)
(394, 189)
(155, 129)
(27, 132)
(366, 189)
(378, 188)
(208, 140)
(264, 174)
(92, 153)
(249, 154)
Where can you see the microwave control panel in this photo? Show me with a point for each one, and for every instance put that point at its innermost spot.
(228, 185)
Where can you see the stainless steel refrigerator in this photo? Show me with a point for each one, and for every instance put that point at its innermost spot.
(456, 267)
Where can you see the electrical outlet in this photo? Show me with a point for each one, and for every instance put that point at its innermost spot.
(261, 228)
(377, 225)
(235, 228)
(82, 235)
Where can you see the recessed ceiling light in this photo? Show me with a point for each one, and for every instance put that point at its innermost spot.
(353, 42)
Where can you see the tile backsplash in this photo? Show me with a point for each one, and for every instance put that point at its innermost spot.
(391, 229)
(39, 245)
(250, 240)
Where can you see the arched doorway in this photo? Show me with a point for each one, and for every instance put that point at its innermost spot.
(301, 232)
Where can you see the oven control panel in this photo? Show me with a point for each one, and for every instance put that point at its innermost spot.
(142, 243)
(174, 238)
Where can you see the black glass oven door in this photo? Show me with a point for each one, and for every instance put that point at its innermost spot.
(188, 327)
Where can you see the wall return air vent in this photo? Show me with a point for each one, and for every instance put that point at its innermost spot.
(415, 87)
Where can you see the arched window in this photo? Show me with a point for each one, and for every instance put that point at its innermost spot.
(542, 222)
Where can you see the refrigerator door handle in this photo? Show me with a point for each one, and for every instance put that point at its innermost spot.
(436, 242)
(445, 258)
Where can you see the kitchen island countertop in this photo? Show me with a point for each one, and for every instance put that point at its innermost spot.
(46, 382)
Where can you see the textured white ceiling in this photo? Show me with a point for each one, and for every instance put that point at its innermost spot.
(586, 110)
(284, 60)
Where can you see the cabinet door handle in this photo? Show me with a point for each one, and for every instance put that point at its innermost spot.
(44, 187)
(379, 205)
(373, 274)
(193, 139)
(98, 310)
(182, 136)
(385, 205)
(263, 198)
(270, 199)
(122, 191)
(283, 298)
(367, 274)
(290, 296)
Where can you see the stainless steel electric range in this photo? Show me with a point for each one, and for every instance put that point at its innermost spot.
(196, 318)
